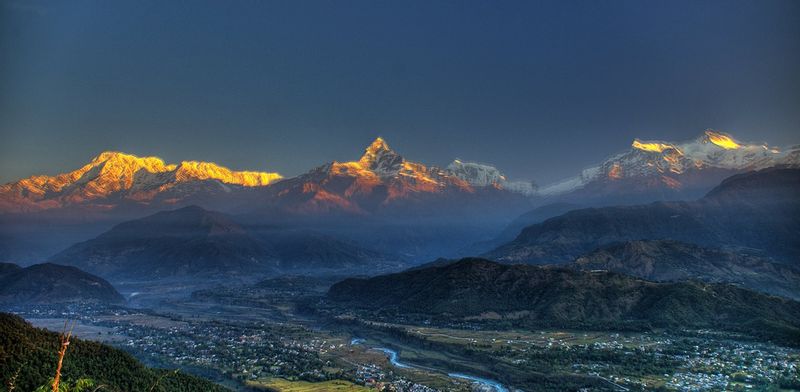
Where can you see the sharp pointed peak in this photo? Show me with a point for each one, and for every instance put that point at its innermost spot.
(378, 147)
(379, 144)
(378, 156)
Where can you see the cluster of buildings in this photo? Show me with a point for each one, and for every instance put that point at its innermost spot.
(691, 382)
(709, 364)
(715, 365)
(244, 352)
(374, 376)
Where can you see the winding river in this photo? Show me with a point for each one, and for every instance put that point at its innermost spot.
(496, 386)
(395, 360)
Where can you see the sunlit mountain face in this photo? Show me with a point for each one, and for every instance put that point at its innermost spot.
(114, 178)
(429, 209)
(660, 170)
(382, 182)
(381, 179)
(375, 196)
(379, 199)
(348, 245)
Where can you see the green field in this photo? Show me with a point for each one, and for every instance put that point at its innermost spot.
(283, 385)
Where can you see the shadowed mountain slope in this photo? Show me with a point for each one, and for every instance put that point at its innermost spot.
(666, 260)
(481, 291)
(759, 210)
(194, 242)
(50, 283)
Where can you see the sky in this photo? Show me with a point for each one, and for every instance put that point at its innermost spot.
(541, 89)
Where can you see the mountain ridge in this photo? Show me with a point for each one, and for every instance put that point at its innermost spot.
(671, 261)
(480, 291)
(724, 217)
(661, 170)
(649, 170)
(194, 242)
(115, 176)
(384, 183)
(114, 179)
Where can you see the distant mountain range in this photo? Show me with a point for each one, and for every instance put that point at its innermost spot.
(758, 210)
(379, 179)
(383, 184)
(117, 180)
(382, 181)
(194, 242)
(483, 292)
(52, 284)
(659, 170)
(380, 200)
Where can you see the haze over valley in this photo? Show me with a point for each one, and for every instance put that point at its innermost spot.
(343, 255)
(399, 197)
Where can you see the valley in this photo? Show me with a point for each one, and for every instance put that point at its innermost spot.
(326, 285)
(400, 196)
(248, 339)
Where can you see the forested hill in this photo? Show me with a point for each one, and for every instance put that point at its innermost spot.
(526, 296)
(28, 358)
(52, 283)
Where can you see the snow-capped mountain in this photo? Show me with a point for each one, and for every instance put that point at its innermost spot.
(383, 180)
(671, 170)
(478, 174)
(115, 178)
(379, 178)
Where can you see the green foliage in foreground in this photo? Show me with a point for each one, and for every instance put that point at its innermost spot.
(28, 359)
(80, 385)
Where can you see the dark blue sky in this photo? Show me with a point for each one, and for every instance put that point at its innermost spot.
(540, 89)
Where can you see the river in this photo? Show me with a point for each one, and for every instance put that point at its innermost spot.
(394, 359)
(496, 386)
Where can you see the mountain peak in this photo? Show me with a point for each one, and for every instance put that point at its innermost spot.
(380, 158)
(123, 160)
(720, 139)
(378, 144)
(110, 155)
(476, 173)
(709, 136)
